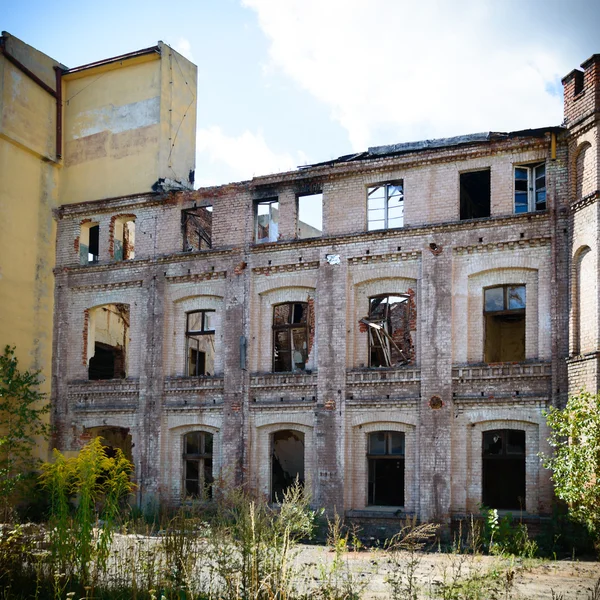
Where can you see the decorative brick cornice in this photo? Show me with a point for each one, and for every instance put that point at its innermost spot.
(384, 258)
(510, 245)
(300, 266)
(585, 201)
(196, 277)
(501, 371)
(107, 286)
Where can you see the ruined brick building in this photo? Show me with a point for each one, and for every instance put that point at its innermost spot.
(387, 327)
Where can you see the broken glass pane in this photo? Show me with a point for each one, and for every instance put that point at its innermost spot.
(516, 297)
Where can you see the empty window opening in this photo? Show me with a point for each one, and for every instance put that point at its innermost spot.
(475, 193)
(530, 188)
(113, 439)
(290, 336)
(200, 339)
(267, 221)
(107, 341)
(198, 464)
(287, 463)
(504, 469)
(310, 216)
(391, 325)
(385, 206)
(89, 243)
(124, 238)
(197, 228)
(504, 313)
(385, 456)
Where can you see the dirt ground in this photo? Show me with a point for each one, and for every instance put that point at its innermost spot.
(515, 579)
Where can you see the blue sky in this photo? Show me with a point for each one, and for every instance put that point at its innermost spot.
(288, 82)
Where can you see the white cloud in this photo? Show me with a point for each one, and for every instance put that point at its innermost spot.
(241, 157)
(393, 70)
(184, 47)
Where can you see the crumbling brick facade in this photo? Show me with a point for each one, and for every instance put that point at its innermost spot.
(426, 437)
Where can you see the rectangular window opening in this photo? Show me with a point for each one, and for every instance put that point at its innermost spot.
(94, 244)
(310, 216)
(196, 224)
(290, 336)
(475, 193)
(200, 338)
(504, 314)
(267, 221)
(385, 206)
(530, 188)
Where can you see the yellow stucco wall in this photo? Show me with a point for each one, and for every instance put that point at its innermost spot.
(119, 123)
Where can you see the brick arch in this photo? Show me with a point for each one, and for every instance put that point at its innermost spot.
(537, 308)
(358, 307)
(584, 304)
(475, 461)
(262, 328)
(172, 474)
(357, 465)
(262, 449)
(175, 322)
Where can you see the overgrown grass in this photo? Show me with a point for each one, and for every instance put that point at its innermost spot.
(237, 547)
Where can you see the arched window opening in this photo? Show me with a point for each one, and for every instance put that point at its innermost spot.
(200, 341)
(504, 469)
(287, 463)
(290, 336)
(124, 238)
(584, 170)
(385, 455)
(198, 464)
(108, 339)
(391, 325)
(504, 313)
(89, 243)
(584, 305)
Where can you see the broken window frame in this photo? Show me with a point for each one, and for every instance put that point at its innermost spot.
(380, 335)
(204, 237)
(293, 329)
(273, 220)
(514, 478)
(116, 367)
(203, 460)
(468, 208)
(191, 337)
(533, 198)
(505, 311)
(391, 191)
(374, 458)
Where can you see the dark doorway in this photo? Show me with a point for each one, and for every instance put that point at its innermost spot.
(385, 456)
(475, 191)
(287, 464)
(504, 469)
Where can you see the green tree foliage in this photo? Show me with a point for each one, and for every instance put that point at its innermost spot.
(575, 464)
(22, 410)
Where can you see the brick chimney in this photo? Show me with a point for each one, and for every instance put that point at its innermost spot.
(582, 91)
